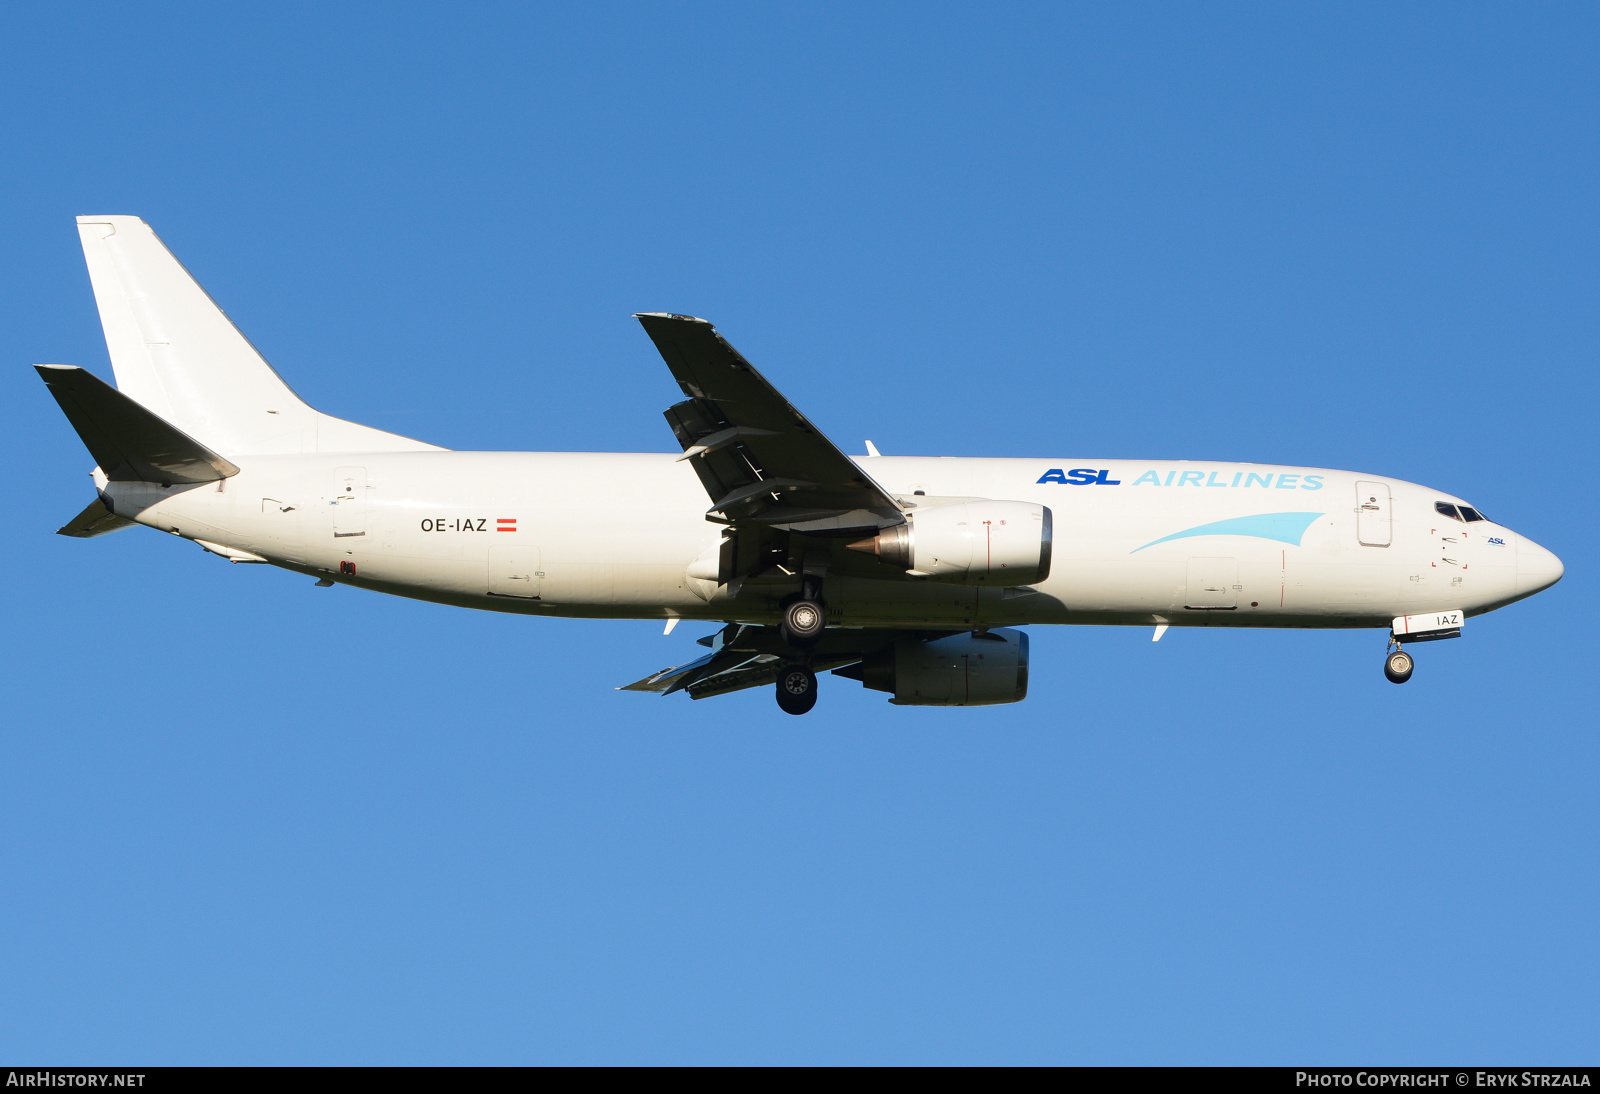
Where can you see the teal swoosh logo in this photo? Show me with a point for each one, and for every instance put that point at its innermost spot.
(1283, 527)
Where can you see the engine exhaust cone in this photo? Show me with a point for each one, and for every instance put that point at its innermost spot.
(892, 545)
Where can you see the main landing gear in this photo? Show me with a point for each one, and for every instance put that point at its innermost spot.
(1397, 665)
(801, 629)
(797, 689)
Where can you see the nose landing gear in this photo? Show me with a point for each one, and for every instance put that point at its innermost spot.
(1427, 627)
(1397, 666)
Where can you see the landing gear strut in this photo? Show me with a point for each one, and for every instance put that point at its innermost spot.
(1397, 666)
(797, 689)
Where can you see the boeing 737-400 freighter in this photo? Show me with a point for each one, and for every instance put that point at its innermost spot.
(909, 575)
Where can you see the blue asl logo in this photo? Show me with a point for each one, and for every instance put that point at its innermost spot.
(1080, 476)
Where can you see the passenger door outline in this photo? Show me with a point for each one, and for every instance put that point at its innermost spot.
(1374, 520)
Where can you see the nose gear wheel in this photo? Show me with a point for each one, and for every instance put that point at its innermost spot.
(1398, 667)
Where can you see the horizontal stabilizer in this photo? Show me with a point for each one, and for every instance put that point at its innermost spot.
(95, 520)
(129, 442)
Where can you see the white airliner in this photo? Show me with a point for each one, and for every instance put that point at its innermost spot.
(907, 574)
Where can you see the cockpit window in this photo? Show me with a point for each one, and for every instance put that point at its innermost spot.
(1444, 508)
(1471, 514)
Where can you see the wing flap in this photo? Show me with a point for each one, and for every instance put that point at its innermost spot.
(747, 655)
(680, 677)
(759, 673)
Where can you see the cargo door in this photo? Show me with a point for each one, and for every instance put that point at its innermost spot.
(349, 502)
(1373, 526)
(514, 572)
(1213, 584)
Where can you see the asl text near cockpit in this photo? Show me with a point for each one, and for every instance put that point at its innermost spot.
(914, 576)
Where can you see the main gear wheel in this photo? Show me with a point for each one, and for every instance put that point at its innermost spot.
(797, 689)
(802, 623)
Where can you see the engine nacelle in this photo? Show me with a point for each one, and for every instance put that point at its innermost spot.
(969, 543)
(963, 670)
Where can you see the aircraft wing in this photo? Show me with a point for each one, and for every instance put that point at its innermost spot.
(760, 460)
(708, 672)
(748, 656)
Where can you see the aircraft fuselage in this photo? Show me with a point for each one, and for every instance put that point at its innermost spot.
(617, 535)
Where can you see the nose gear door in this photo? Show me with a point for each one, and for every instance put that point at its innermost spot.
(1373, 524)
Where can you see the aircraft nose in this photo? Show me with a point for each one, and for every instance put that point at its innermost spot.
(1537, 568)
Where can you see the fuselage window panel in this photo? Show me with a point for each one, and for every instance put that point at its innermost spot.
(1445, 509)
(1471, 514)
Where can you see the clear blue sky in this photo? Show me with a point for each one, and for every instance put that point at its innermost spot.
(248, 820)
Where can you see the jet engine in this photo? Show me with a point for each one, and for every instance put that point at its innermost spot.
(969, 543)
(963, 670)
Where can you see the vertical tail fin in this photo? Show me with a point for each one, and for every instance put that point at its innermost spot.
(177, 354)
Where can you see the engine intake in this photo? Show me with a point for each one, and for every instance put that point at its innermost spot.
(969, 543)
(963, 670)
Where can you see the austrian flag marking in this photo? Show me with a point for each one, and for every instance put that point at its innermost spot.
(468, 524)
